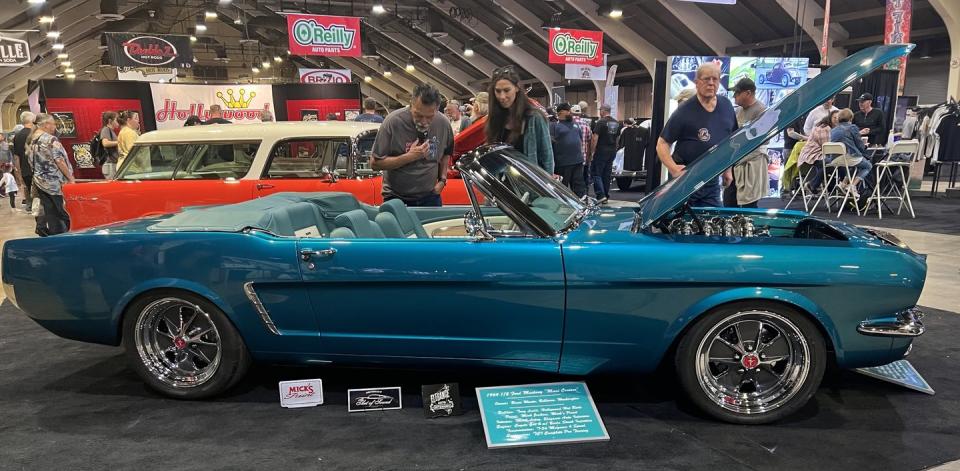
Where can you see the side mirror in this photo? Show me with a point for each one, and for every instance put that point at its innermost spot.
(475, 226)
(328, 175)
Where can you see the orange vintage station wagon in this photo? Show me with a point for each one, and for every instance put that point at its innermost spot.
(217, 164)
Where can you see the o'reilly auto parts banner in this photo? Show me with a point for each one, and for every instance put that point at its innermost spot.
(325, 76)
(576, 46)
(14, 50)
(174, 103)
(322, 35)
(149, 50)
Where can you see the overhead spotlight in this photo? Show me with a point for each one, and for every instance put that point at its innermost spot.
(225, 2)
(508, 36)
(436, 59)
(614, 10)
(386, 71)
(238, 21)
(71, 76)
(57, 46)
(59, 76)
(66, 64)
(201, 24)
(378, 8)
(193, 38)
(367, 78)
(195, 60)
(255, 70)
(265, 64)
(46, 19)
(277, 59)
(62, 55)
(53, 34)
(68, 70)
(36, 2)
(410, 67)
(210, 14)
(555, 21)
(467, 51)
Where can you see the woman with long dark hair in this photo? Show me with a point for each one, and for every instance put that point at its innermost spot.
(513, 120)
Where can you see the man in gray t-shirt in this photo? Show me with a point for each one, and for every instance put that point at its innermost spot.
(413, 147)
(749, 177)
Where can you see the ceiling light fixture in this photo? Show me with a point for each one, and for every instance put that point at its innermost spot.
(467, 51)
(378, 8)
(71, 76)
(410, 67)
(66, 64)
(225, 2)
(62, 55)
(277, 58)
(367, 78)
(255, 70)
(615, 11)
(436, 59)
(53, 34)
(46, 19)
(36, 2)
(68, 70)
(193, 38)
(508, 36)
(210, 14)
(201, 24)
(57, 46)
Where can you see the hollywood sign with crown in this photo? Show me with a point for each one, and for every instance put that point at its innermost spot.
(174, 103)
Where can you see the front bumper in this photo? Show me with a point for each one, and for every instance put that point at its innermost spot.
(906, 323)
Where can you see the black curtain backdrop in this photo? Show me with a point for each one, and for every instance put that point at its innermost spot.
(882, 84)
(656, 124)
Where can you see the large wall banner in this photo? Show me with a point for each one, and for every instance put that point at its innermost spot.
(321, 35)
(149, 50)
(325, 76)
(576, 46)
(897, 31)
(174, 103)
(14, 50)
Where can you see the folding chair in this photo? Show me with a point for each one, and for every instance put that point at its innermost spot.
(901, 156)
(806, 196)
(829, 177)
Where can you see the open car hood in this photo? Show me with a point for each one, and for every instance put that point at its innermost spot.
(724, 155)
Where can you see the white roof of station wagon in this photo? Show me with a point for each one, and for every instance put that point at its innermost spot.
(257, 131)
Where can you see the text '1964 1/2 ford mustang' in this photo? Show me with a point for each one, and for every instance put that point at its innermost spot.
(748, 306)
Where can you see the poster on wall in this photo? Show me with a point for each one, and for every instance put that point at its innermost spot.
(241, 104)
(743, 67)
(325, 76)
(81, 153)
(351, 115)
(683, 71)
(323, 35)
(576, 46)
(66, 124)
(781, 72)
(149, 50)
(309, 115)
(146, 74)
(14, 50)
(586, 72)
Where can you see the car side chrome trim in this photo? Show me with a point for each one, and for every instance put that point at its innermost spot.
(261, 310)
(905, 323)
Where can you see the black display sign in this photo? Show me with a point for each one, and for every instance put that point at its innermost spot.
(14, 51)
(441, 400)
(83, 157)
(309, 115)
(145, 50)
(361, 400)
(66, 124)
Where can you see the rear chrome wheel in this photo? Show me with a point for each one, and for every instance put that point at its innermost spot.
(182, 345)
(751, 363)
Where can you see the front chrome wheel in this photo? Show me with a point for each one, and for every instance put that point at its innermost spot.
(752, 362)
(178, 342)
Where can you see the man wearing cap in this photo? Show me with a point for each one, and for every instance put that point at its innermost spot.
(750, 180)
(568, 149)
(696, 126)
(870, 121)
(585, 135)
(606, 132)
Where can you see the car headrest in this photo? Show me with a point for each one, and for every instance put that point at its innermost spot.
(358, 222)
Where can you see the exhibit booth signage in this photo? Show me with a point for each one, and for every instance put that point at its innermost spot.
(323, 35)
(174, 103)
(14, 50)
(369, 399)
(149, 50)
(302, 393)
(325, 76)
(576, 46)
(539, 414)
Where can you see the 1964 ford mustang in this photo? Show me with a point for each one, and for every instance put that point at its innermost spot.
(749, 306)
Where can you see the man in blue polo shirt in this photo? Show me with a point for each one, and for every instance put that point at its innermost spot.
(696, 126)
(567, 138)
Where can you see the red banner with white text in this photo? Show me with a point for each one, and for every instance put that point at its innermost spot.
(323, 35)
(576, 46)
(897, 31)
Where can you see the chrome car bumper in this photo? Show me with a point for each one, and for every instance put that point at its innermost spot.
(905, 323)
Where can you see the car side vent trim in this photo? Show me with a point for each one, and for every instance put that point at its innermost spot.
(261, 310)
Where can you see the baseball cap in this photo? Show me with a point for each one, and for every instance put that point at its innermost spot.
(575, 109)
(865, 97)
(744, 85)
(564, 107)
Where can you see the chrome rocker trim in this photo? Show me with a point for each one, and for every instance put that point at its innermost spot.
(906, 323)
(261, 310)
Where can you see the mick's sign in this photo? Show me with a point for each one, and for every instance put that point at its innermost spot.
(322, 35)
(305, 393)
(576, 46)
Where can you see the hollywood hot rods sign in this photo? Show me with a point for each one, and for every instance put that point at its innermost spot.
(322, 35)
(576, 46)
(241, 104)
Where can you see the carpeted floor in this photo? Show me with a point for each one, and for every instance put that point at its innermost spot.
(68, 405)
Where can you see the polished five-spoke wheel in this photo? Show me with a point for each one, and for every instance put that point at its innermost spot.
(182, 345)
(751, 363)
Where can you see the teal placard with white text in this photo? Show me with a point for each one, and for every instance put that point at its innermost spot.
(539, 414)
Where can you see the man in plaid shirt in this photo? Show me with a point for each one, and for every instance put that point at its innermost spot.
(587, 142)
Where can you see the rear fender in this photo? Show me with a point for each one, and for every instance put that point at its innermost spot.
(166, 283)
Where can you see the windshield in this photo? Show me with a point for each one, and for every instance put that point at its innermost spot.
(203, 160)
(547, 198)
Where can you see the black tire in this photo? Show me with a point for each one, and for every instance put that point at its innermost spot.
(702, 378)
(761, 78)
(785, 81)
(224, 370)
(624, 183)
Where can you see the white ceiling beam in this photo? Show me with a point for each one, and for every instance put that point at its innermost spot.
(810, 11)
(709, 31)
(377, 82)
(629, 40)
(399, 67)
(396, 76)
(410, 43)
(477, 61)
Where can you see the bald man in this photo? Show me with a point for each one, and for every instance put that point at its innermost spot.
(696, 126)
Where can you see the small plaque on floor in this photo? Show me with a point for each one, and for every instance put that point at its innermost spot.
(899, 372)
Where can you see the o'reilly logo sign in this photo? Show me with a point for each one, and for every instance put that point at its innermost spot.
(14, 52)
(576, 46)
(323, 35)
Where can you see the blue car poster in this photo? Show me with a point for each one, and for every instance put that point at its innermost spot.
(539, 414)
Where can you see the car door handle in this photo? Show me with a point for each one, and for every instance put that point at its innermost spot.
(264, 186)
(307, 254)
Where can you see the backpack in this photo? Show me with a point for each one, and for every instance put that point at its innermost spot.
(97, 151)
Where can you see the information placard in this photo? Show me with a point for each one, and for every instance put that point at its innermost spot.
(539, 414)
(899, 372)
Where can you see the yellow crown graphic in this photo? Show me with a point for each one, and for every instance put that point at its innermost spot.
(236, 103)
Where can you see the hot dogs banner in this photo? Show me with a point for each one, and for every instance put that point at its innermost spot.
(323, 35)
(149, 50)
(576, 46)
(174, 103)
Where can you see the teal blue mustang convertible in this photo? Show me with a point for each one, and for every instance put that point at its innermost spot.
(749, 306)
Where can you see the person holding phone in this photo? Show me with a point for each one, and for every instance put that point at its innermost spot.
(412, 148)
